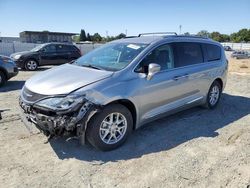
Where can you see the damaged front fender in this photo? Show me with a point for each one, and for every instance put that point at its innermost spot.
(53, 123)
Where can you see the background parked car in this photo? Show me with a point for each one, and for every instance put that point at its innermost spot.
(227, 48)
(240, 55)
(46, 54)
(8, 69)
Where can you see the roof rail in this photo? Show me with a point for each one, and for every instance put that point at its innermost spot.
(193, 36)
(129, 37)
(158, 33)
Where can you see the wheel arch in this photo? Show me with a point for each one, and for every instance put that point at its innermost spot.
(4, 72)
(32, 58)
(130, 106)
(220, 82)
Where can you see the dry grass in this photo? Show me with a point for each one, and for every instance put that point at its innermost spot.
(239, 65)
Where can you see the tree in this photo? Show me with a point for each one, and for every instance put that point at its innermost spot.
(186, 33)
(120, 36)
(110, 38)
(234, 37)
(216, 36)
(97, 37)
(225, 38)
(89, 37)
(242, 35)
(76, 38)
(83, 35)
(203, 33)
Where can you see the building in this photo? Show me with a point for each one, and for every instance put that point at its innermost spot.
(45, 36)
(9, 39)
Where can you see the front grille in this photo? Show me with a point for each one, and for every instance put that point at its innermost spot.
(30, 96)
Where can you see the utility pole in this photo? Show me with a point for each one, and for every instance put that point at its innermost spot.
(180, 28)
(126, 32)
(107, 34)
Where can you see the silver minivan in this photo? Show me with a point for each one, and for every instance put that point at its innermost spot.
(106, 94)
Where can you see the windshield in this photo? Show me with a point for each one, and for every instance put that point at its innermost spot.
(111, 57)
(37, 48)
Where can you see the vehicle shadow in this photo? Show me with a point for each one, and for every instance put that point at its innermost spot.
(12, 85)
(163, 134)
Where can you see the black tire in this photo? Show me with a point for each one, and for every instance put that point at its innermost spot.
(93, 134)
(31, 65)
(209, 104)
(3, 78)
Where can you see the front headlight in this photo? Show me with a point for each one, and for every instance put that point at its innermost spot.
(61, 103)
(17, 56)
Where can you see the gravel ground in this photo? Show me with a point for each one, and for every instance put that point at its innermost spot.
(194, 148)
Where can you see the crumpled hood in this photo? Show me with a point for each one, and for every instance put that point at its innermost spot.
(64, 79)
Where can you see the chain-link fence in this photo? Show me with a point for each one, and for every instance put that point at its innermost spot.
(9, 48)
(237, 46)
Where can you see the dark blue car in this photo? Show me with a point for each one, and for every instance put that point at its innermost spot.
(8, 69)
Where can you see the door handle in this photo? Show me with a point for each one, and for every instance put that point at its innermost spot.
(180, 77)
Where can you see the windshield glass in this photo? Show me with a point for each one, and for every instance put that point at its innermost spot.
(111, 57)
(37, 48)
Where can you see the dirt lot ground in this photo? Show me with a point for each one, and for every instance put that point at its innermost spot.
(195, 148)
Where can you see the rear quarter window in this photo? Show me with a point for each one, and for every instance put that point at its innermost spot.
(66, 48)
(74, 48)
(212, 52)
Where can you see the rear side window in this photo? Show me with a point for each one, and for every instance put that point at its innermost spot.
(213, 52)
(74, 48)
(186, 53)
(50, 49)
(62, 48)
(70, 48)
(65, 48)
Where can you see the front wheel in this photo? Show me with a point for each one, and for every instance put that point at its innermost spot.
(31, 65)
(110, 128)
(214, 95)
(2, 78)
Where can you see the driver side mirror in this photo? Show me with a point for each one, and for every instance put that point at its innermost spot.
(153, 68)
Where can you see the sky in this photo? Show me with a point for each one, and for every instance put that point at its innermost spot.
(113, 17)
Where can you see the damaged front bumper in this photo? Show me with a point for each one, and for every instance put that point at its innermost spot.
(53, 123)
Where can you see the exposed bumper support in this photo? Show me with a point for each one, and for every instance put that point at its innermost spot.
(53, 123)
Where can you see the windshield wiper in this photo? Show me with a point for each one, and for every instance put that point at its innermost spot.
(92, 66)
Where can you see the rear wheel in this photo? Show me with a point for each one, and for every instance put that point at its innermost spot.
(214, 95)
(2, 78)
(31, 65)
(110, 128)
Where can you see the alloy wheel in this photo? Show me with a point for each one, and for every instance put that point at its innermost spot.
(113, 128)
(214, 95)
(31, 65)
